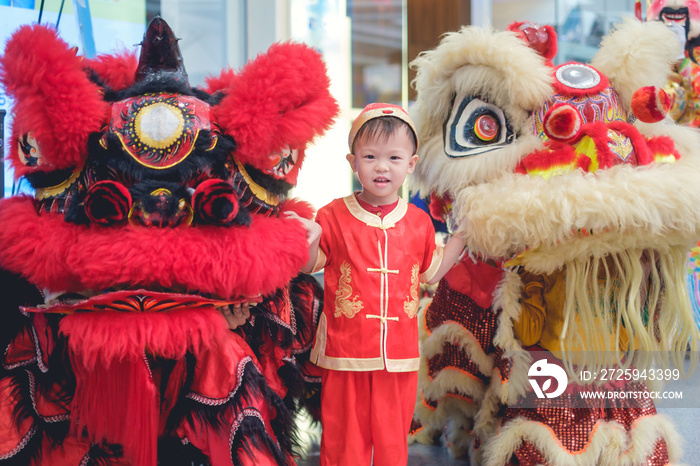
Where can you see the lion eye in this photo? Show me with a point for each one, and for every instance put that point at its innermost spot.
(486, 128)
(474, 127)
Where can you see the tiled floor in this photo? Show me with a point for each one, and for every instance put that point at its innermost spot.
(418, 455)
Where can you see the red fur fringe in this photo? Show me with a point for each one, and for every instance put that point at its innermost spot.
(440, 206)
(226, 262)
(55, 100)
(598, 131)
(99, 338)
(301, 207)
(663, 145)
(280, 98)
(117, 71)
(562, 154)
(115, 397)
(118, 403)
(557, 154)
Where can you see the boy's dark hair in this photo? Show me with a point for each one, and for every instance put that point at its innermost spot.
(382, 128)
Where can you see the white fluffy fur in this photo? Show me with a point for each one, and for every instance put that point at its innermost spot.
(459, 435)
(649, 207)
(435, 172)
(455, 334)
(425, 436)
(454, 414)
(506, 301)
(687, 139)
(453, 381)
(610, 444)
(494, 66)
(635, 55)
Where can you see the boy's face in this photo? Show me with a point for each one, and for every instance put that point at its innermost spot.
(382, 164)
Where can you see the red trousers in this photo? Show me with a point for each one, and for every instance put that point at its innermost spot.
(361, 410)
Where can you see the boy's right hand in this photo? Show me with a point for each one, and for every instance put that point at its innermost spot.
(313, 236)
(313, 229)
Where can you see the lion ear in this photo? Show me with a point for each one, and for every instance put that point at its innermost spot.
(56, 106)
(115, 71)
(281, 98)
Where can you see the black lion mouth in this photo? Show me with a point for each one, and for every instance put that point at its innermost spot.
(678, 16)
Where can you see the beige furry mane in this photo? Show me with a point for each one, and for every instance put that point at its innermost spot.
(635, 55)
(493, 66)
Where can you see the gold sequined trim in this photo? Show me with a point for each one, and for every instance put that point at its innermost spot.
(345, 304)
(55, 191)
(410, 306)
(258, 191)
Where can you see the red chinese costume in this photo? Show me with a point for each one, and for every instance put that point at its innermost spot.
(367, 337)
(156, 203)
(569, 177)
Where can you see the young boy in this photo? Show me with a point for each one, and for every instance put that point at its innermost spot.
(375, 250)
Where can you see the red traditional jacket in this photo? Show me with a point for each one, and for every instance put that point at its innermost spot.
(373, 267)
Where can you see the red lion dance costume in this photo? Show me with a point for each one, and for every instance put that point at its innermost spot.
(577, 198)
(156, 203)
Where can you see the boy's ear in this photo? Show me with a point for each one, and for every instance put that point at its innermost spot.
(353, 162)
(412, 163)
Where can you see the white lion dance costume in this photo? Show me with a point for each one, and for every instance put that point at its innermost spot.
(578, 197)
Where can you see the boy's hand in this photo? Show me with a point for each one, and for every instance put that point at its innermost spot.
(313, 236)
(313, 229)
(452, 253)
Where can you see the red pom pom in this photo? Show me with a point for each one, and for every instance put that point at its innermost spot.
(650, 104)
(215, 202)
(107, 203)
(562, 123)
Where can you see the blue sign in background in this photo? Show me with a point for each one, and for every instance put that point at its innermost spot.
(107, 36)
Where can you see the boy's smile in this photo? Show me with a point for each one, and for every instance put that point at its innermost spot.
(381, 180)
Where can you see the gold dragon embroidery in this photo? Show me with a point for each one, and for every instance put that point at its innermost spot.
(345, 304)
(410, 306)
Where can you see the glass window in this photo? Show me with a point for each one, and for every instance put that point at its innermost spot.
(94, 27)
(376, 50)
(580, 24)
